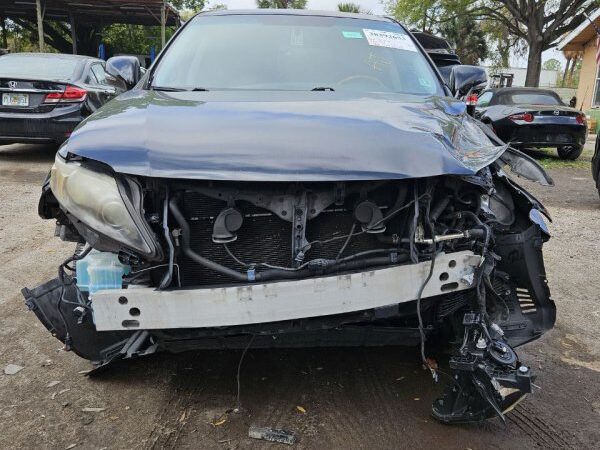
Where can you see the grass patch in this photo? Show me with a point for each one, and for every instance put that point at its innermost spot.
(548, 159)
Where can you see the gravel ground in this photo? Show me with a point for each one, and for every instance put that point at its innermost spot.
(353, 398)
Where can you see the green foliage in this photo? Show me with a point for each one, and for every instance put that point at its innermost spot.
(349, 7)
(449, 19)
(510, 22)
(424, 15)
(467, 37)
(133, 39)
(548, 159)
(281, 4)
(16, 38)
(502, 43)
(192, 5)
(552, 64)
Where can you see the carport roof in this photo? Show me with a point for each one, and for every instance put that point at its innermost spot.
(104, 12)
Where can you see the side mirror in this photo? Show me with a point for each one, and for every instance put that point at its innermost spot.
(125, 68)
(465, 78)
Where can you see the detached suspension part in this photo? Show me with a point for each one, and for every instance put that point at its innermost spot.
(488, 380)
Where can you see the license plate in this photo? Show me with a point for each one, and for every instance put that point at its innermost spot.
(15, 99)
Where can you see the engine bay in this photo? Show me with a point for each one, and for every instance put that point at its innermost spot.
(453, 259)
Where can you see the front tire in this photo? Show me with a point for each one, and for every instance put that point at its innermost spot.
(570, 152)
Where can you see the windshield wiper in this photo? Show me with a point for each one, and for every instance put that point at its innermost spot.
(323, 88)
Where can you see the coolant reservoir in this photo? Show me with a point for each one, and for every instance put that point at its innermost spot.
(99, 271)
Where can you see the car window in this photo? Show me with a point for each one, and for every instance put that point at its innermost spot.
(530, 98)
(99, 73)
(32, 66)
(91, 78)
(484, 99)
(291, 52)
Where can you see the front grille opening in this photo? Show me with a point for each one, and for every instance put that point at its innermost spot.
(266, 238)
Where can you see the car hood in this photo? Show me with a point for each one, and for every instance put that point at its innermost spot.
(282, 136)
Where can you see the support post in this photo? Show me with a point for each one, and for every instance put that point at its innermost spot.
(4, 33)
(564, 77)
(163, 24)
(572, 69)
(40, 24)
(73, 33)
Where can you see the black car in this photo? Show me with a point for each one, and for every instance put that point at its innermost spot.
(533, 118)
(45, 96)
(297, 178)
(440, 52)
(446, 61)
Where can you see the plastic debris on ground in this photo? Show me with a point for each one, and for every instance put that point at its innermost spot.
(12, 369)
(272, 435)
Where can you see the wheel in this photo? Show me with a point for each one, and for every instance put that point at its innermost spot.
(570, 152)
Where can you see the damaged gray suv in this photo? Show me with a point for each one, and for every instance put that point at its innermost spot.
(295, 178)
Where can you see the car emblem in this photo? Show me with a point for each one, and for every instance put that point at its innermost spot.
(557, 113)
(12, 84)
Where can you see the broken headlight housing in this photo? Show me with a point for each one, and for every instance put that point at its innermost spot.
(95, 199)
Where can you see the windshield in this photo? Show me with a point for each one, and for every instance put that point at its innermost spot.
(295, 52)
(37, 67)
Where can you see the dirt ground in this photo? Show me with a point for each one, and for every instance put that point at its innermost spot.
(352, 398)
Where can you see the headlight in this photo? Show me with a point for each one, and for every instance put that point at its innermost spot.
(95, 199)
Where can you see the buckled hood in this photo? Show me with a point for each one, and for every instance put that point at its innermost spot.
(283, 136)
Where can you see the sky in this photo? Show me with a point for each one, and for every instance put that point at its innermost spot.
(376, 7)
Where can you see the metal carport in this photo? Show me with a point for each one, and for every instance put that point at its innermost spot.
(90, 12)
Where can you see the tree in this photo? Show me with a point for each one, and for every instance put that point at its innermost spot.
(424, 15)
(192, 5)
(538, 22)
(349, 8)
(282, 4)
(58, 35)
(134, 39)
(502, 44)
(552, 64)
(467, 37)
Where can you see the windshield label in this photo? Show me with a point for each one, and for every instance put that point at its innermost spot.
(389, 39)
(352, 34)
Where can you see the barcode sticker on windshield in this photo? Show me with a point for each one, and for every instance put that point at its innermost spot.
(389, 39)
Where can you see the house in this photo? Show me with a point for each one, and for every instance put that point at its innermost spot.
(581, 43)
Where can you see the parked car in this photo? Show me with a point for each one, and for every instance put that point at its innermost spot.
(44, 96)
(444, 58)
(530, 118)
(440, 52)
(295, 178)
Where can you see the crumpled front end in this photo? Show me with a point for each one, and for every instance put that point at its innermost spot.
(172, 265)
